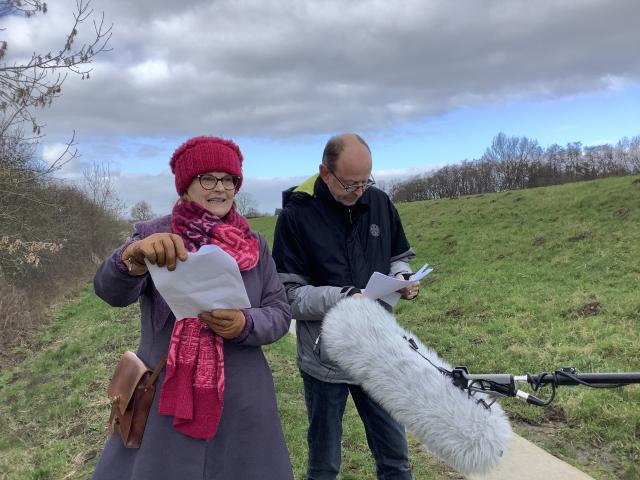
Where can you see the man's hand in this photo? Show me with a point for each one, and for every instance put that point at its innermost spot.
(161, 249)
(226, 323)
(410, 291)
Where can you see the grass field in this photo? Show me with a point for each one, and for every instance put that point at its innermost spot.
(53, 406)
(524, 281)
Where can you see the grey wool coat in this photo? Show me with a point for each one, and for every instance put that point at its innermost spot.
(249, 443)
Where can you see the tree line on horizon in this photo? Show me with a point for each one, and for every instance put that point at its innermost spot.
(513, 162)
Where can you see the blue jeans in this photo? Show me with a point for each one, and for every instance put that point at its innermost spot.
(325, 407)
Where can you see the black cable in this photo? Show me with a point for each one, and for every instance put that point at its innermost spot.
(542, 382)
(567, 374)
(414, 347)
(538, 384)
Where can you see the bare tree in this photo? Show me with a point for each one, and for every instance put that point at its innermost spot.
(141, 211)
(26, 86)
(385, 185)
(512, 156)
(627, 153)
(634, 154)
(35, 83)
(98, 186)
(246, 203)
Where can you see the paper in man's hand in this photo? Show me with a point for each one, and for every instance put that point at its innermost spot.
(207, 280)
(385, 288)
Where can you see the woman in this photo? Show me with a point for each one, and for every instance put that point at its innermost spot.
(215, 415)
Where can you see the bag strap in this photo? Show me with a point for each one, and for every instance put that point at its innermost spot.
(156, 371)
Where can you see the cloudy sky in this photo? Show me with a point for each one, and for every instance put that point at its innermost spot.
(425, 82)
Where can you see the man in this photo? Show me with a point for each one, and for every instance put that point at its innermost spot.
(334, 231)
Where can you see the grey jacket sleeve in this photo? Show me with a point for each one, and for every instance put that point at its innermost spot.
(309, 303)
(399, 267)
(400, 263)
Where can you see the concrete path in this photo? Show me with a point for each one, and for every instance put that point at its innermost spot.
(524, 461)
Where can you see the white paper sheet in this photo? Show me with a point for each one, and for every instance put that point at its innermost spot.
(207, 280)
(386, 288)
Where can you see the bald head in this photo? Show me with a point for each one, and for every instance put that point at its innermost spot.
(346, 161)
(337, 144)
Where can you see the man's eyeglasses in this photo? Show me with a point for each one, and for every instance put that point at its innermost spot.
(210, 182)
(352, 187)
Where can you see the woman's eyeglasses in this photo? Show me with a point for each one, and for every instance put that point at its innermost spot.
(210, 182)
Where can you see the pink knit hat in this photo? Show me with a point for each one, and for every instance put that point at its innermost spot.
(205, 154)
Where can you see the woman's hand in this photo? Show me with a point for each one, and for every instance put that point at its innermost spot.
(225, 322)
(161, 249)
(410, 291)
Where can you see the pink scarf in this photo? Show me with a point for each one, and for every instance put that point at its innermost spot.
(193, 387)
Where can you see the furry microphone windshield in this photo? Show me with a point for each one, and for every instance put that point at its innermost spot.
(364, 339)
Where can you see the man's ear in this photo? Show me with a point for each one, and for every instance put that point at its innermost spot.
(324, 172)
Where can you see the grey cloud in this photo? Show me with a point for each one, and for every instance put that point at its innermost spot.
(283, 68)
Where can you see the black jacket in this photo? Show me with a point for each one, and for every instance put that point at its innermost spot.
(323, 249)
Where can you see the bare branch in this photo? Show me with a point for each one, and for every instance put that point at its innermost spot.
(98, 187)
(25, 87)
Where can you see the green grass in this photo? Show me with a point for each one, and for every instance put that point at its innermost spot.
(54, 409)
(53, 404)
(514, 272)
(513, 275)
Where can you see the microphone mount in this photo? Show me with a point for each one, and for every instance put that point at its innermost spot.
(506, 385)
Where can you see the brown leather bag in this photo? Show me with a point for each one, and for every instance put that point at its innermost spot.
(131, 391)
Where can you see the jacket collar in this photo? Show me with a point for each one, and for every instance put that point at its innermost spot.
(321, 191)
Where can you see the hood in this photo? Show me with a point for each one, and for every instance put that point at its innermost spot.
(305, 188)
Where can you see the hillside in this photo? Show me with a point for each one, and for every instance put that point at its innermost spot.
(530, 281)
(525, 281)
